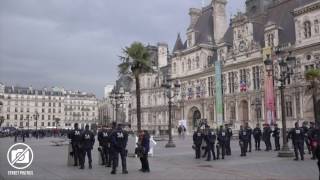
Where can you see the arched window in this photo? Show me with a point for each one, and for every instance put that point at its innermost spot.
(189, 64)
(316, 26)
(307, 29)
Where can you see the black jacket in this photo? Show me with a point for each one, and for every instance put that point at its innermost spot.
(197, 138)
(257, 133)
(119, 139)
(87, 139)
(75, 136)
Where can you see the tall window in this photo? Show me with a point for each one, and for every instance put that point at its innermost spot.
(189, 64)
(243, 75)
(231, 77)
(209, 61)
(182, 66)
(233, 112)
(316, 26)
(289, 108)
(256, 77)
(197, 62)
(210, 86)
(174, 67)
(307, 29)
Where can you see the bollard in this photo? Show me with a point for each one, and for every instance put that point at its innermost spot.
(70, 159)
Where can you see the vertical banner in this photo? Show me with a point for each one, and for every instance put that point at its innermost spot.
(218, 93)
(269, 114)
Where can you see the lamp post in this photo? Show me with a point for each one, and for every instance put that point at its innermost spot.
(286, 69)
(115, 98)
(168, 87)
(36, 116)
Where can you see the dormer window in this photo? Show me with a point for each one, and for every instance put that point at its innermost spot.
(307, 29)
(189, 64)
(270, 40)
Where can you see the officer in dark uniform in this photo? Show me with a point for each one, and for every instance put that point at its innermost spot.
(243, 140)
(249, 135)
(87, 141)
(266, 137)
(298, 140)
(100, 149)
(105, 143)
(229, 136)
(276, 136)
(210, 139)
(197, 141)
(75, 136)
(257, 137)
(306, 139)
(222, 139)
(312, 136)
(119, 140)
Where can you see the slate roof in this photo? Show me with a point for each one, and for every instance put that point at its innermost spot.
(203, 29)
(178, 45)
(279, 13)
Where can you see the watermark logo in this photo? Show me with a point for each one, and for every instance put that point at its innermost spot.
(20, 156)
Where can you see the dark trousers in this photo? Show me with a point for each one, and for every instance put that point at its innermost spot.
(83, 157)
(102, 156)
(197, 149)
(249, 147)
(299, 146)
(210, 149)
(222, 147)
(106, 156)
(268, 144)
(115, 158)
(243, 147)
(257, 143)
(144, 162)
(277, 143)
(228, 148)
(308, 145)
(76, 154)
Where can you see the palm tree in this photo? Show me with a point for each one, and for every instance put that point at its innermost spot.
(313, 76)
(135, 62)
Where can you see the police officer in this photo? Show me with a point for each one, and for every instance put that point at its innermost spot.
(312, 136)
(119, 139)
(243, 140)
(298, 140)
(100, 149)
(229, 136)
(276, 136)
(249, 135)
(75, 136)
(197, 141)
(257, 137)
(222, 139)
(87, 141)
(266, 136)
(306, 139)
(210, 139)
(105, 144)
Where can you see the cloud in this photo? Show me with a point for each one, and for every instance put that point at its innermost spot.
(75, 43)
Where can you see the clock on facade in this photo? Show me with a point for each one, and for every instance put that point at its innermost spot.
(242, 46)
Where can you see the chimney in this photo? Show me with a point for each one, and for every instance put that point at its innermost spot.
(194, 16)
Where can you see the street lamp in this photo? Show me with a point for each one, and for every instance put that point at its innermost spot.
(36, 116)
(168, 87)
(115, 98)
(286, 70)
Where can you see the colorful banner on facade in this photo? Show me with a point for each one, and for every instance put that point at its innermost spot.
(269, 113)
(218, 93)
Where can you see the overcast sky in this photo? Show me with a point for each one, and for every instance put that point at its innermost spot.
(75, 43)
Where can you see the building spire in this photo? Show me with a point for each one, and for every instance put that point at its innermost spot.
(178, 45)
